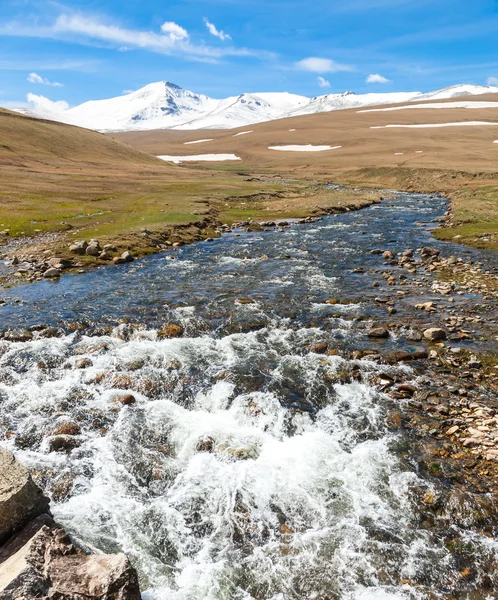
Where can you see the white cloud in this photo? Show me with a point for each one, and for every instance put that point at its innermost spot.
(492, 81)
(376, 78)
(44, 105)
(171, 40)
(174, 32)
(213, 30)
(322, 82)
(321, 65)
(35, 78)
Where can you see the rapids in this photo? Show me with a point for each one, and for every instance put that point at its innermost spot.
(250, 467)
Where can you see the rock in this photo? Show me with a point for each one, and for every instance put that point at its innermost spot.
(44, 562)
(93, 249)
(117, 260)
(171, 330)
(126, 399)
(60, 263)
(18, 335)
(319, 348)
(127, 257)
(21, 500)
(205, 444)
(82, 363)
(378, 333)
(105, 255)
(429, 252)
(51, 273)
(452, 430)
(387, 255)
(79, 248)
(435, 334)
(63, 443)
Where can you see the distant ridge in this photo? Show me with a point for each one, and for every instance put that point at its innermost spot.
(165, 105)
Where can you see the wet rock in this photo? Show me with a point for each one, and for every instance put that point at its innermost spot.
(126, 399)
(63, 443)
(67, 428)
(429, 252)
(18, 335)
(378, 333)
(52, 273)
(387, 255)
(20, 498)
(171, 330)
(117, 260)
(82, 363)
(435, 334)
(44, 562)
(319, 348)
(205, 445)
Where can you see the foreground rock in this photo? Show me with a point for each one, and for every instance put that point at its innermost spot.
(21, 500)
(40, 560)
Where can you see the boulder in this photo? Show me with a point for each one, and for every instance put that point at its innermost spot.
(51, 273)
(21, 500)
(387, 255)
(78, 247)
(44, 562)
(60, 263)
(127, 257)
(435, 334)
(93, 250)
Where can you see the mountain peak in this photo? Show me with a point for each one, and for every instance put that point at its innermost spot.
(166, 105)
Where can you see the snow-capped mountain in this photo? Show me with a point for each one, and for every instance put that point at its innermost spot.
(164, 105)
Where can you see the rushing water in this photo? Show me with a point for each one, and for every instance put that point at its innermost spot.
(249, 468)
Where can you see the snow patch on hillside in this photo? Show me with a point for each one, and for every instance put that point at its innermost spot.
(429, 125)
(199, 158)
(303, 148)
(468, 104)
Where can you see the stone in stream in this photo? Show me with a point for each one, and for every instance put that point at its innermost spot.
(379, 333)
(20, 498)
(127, 256)
(170, 330)
(435, 334)
(387, 255)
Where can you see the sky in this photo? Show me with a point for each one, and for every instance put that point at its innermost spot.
(71, 52)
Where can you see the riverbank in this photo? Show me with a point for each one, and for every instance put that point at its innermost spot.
(50, 255)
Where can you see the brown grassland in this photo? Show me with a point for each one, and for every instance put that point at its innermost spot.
(77, 183)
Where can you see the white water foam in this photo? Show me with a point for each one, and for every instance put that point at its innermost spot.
(296, 502)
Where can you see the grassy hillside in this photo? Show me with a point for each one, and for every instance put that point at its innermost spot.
(461, 162)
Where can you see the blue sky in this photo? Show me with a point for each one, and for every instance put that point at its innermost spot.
(75, 51)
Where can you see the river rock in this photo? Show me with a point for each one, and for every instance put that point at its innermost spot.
(435, 334)
(44, 562)
(93, 249)
(127, 256)
(387, 255)
(170, 330)
(51, 273)
(60, 263)
(379, 333)
(20, 498)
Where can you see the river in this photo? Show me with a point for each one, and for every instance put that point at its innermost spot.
(249, 467)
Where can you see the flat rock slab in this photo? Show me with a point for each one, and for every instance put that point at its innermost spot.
(21, 500)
